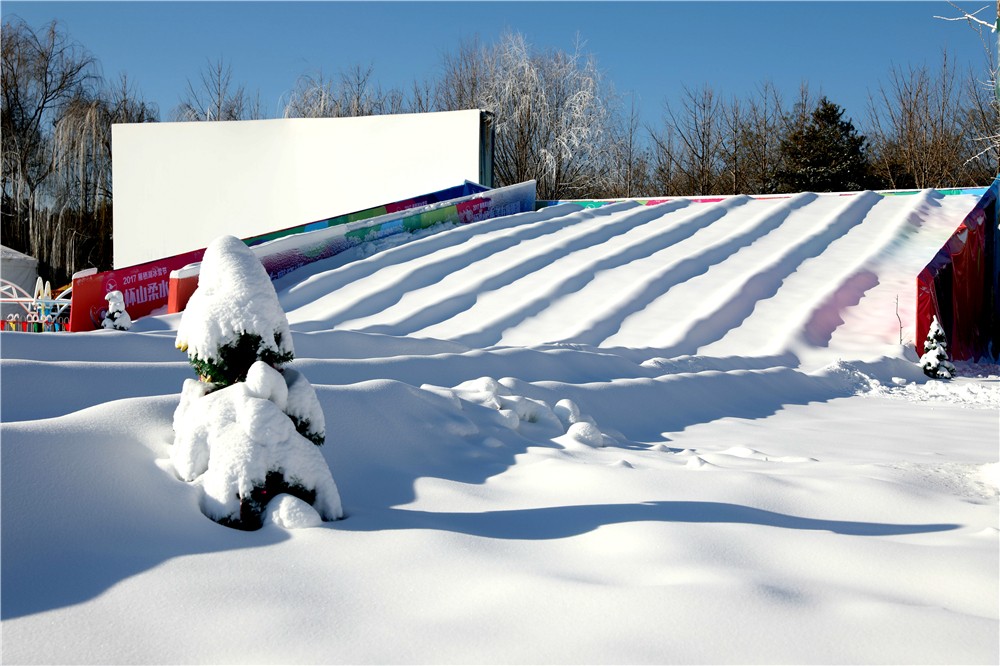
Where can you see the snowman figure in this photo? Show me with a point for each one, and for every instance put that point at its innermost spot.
(116, 318)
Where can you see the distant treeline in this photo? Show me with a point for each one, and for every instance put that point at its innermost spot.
(557, 118)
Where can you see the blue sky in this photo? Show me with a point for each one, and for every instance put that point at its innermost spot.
(651, 49)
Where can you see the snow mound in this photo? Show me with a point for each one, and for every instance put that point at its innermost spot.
(291, 513)
(976, 395)
(563, 422)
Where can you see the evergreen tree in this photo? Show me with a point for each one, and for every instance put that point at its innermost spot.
(935, 362)
(233, 320)
(823, 152)
(249, 429)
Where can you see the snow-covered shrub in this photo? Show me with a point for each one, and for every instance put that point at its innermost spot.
(243, 450)
(233, 319)
(249, 429)
(935, 362)
(116, 318)
(303, 406)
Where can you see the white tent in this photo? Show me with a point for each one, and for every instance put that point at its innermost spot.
(19, 269)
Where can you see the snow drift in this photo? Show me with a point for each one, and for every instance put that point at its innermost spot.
(686, 433)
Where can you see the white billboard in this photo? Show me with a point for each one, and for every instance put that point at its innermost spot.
(178, 186)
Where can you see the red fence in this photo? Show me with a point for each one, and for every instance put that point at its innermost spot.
(144, 287)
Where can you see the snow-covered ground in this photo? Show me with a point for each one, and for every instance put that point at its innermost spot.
(677, 434)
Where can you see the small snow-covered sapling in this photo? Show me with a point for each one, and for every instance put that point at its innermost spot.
(935, 361)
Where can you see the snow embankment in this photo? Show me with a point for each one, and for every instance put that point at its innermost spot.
(700, 441)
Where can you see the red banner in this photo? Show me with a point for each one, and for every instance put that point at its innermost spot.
(145, 288)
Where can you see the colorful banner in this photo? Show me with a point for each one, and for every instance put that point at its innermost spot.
(597, 203)
(455, 192)
(146, 287)
(283, 255)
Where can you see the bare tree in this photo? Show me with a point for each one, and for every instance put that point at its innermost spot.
(984, 110)
(422, 99)
(665, 177)
(40, 74)
(357, 96)
(697, 155)
(763, 122)
(216, 97)
(463, 77)
(735, 128)
(629, 169)
(982, 116)
(917, 130)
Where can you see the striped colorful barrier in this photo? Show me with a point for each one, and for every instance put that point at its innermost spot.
(597, 203)
(465, 189)
(283, 255)
(153, 287)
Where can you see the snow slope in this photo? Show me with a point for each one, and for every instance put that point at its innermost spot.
(684, 433)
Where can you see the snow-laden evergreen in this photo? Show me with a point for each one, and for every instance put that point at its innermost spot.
(935, 361)
(233, 318)
(231, 440)
(248, 430)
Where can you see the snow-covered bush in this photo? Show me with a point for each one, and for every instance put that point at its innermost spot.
(250, 428)
(935, 362)
(116, 318)
(243, 450)
(233, 319)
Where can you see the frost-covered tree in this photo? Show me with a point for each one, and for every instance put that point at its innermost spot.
(116, 318)
(935, 362)
(553, 111)
(248, 430)
(355, 94)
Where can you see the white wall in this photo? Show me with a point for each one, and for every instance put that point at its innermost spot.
(177, 186)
